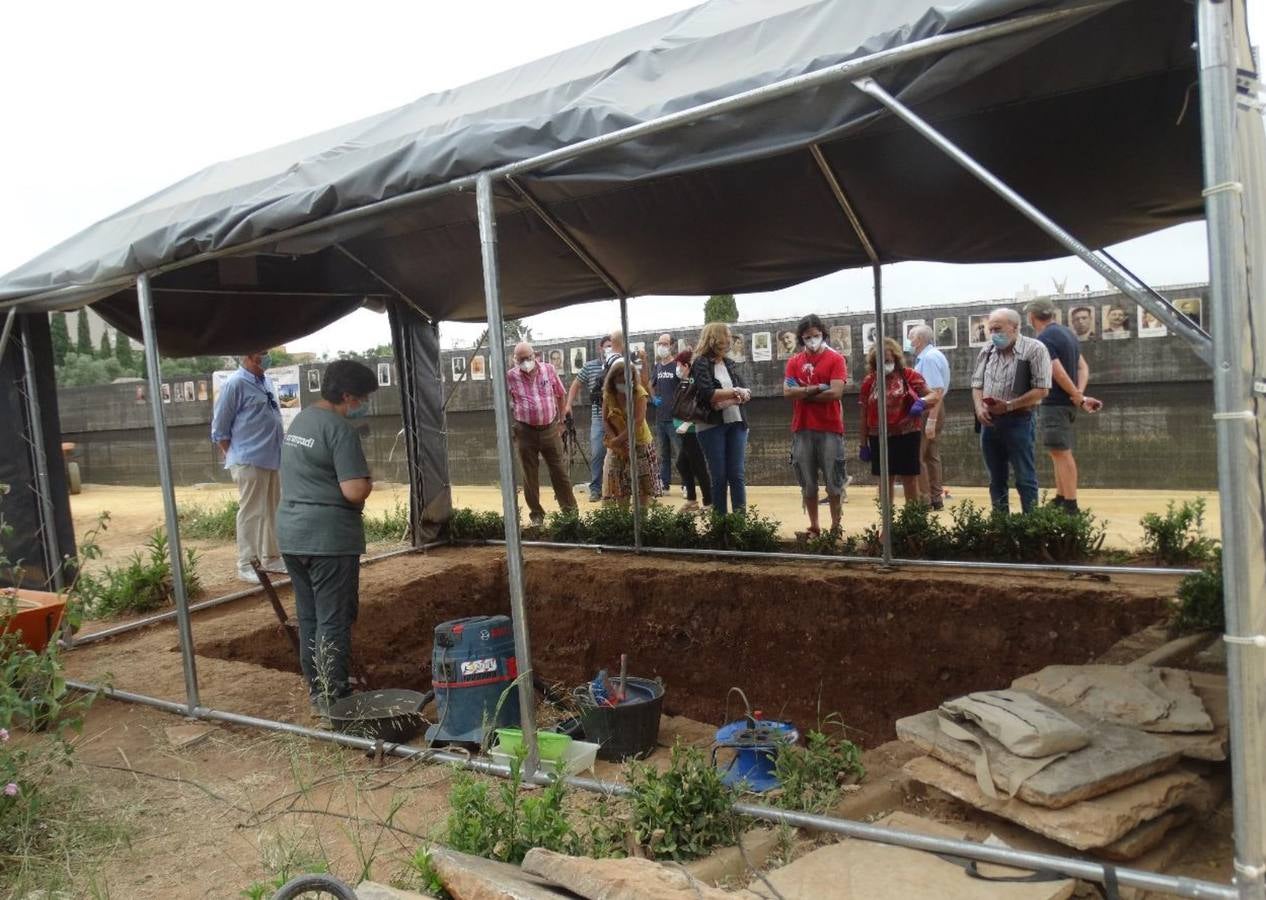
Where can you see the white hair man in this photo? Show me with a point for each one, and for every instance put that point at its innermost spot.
(246, 426)
(1012, 375)
(934, 367)
(536, 395)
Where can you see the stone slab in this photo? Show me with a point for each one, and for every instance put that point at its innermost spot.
(1152, 698)
(182, 737)
(622, 879)
(468, 877)
(728, 864)
(1116, 757)
(855, 869)
(372, 890)
(1085, 825)
(1145, 837)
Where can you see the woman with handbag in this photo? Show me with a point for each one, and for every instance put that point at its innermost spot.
(617, 473)
(690, 462)
(905, 391)
(722, 423)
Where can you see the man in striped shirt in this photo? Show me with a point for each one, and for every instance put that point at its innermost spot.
(536, 394)
(1012, 376)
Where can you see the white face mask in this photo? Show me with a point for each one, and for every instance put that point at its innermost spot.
(682, 371)
(889, 368)
(607, 353)
(813, 344)
(527, 365)
(661, 351)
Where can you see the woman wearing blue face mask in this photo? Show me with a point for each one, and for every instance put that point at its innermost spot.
(324, 484)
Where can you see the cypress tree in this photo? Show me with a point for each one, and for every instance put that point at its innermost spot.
(123, 351)
(83, 339)
(720, 308)
(60, 332)
(105, 351)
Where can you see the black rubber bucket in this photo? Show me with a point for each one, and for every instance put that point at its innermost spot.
(392, 716)
(627, 731)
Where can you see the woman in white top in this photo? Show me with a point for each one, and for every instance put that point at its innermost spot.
(723, 434)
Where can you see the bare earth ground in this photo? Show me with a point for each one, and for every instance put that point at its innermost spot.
(208, 820)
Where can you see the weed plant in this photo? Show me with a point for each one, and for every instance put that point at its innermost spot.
(503, 822)
(215, 521)
(142, 584)
(1200, 599)
(685, 811)
(1177, 536)
(389, 525)
(812, 777)
(470, 525)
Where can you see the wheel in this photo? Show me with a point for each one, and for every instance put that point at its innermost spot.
(72, 477)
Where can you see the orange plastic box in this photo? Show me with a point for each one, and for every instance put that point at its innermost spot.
(38, 617)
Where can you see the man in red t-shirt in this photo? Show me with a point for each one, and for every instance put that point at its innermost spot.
(814, 384)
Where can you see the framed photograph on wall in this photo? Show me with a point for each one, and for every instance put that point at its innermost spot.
(978, 330)
(384, 374)
(177, 392)
(478, 372)
(578, 357)
(166, 389)
(738, 348)
(786, 344)
(868, 336)
(841, 338)
(1150, 326)
(314, 379)
(1192, 308)
(762, 346)
(1081, 319)
(1116, 323)
(945, 332)
(189, 392)
(556, 360)
(908, 326)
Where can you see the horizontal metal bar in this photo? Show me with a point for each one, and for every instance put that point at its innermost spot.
(1075, 868)
(849, 69)
(115, 630)
(865, 560)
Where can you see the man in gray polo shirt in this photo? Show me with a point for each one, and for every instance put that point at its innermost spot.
(1012, 375)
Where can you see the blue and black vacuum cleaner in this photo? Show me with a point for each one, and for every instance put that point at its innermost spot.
(472, 665)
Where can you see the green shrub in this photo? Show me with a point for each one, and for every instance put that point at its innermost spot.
(1200, 604)
(610, 523)
(389, 525)
(1046, 534)
(746, 531)
(1177, 537)
(811, 778)
(470, 525)
(565, 526)
(503, 822)
(685, 811)
(663, 526)
(216, 521)
(142, 584)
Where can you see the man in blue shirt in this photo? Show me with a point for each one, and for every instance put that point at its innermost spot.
(667, 440)
(934, 367)
(247, 428)
(590, 378)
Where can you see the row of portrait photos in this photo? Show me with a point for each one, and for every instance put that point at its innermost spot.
(1109, 321)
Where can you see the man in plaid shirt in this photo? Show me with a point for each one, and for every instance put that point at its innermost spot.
(536, 394)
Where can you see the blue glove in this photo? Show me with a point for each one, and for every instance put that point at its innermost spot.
(864, 453)
(917, 408)
(657, 400)
(791, 382)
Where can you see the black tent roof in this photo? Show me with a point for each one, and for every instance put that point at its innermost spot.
(1091, 115)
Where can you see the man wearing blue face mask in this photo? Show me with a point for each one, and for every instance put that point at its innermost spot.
(246, 426)
(1012, 375)
(324, 484)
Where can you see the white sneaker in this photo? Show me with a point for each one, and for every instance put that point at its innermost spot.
(683, 492)
(247, 575)
(275, 566)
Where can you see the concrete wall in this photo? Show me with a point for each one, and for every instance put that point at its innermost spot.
(1154, 432)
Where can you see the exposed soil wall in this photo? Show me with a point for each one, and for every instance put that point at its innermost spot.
(801, 641)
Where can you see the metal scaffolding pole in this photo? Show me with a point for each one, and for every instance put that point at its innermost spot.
(630, 376)
(505, 461)
(1163, 311)
(885, 487)
(48, 524)
(153, 366)
(8, 329)
(1235, 420)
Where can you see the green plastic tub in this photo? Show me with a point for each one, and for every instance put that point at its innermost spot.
(553, 746)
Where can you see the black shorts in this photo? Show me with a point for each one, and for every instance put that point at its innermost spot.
(1058, 432)
(903, 453)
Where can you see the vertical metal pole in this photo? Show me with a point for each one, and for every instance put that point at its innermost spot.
(881, 385)
(153, 367)
(630, 375)
(1235, 418)
(505, 462)
(8, 329)
(48, 526)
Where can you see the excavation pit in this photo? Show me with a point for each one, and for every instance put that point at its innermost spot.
(802, 641)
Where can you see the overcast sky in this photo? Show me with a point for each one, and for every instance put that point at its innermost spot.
(103, 104)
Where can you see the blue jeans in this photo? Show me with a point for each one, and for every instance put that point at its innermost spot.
(667, 440)
(1009, 441)
(725, 449)
(597, 453)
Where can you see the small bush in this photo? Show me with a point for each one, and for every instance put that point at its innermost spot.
(565, 526)
(470, 525)
(1177, 537)
(812, 777)
(389, 525)
(1200, 603)
(1046, 534)
(610, 523)
(685, 811)
(747, 531)
(216, 521)
(503, 822)
(142, 584)
(663, 526)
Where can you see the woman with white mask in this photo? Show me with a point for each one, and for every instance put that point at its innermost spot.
(904, 391)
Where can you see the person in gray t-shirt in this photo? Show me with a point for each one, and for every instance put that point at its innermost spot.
(324, 484)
